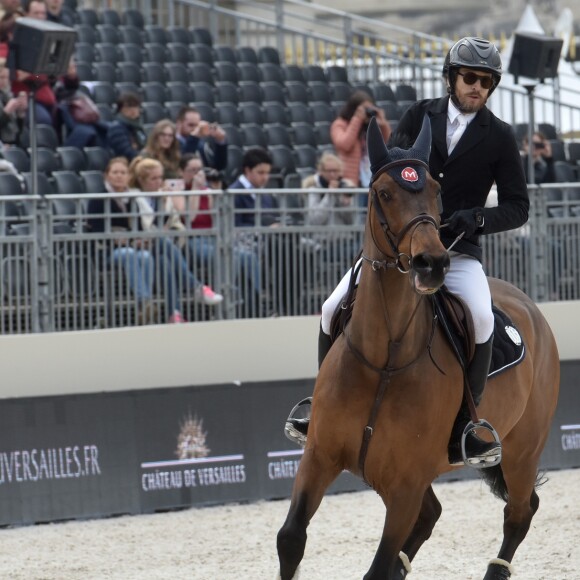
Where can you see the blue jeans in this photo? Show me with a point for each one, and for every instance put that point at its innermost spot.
(138, 268)
(175, 272)
(43, 115)
(246, 262)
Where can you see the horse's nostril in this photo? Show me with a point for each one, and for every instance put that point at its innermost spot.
(429, 265)
(422, 263)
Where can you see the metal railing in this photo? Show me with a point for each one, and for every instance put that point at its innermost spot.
(57, 275)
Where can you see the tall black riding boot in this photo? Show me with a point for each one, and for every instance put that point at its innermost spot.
(296, 428)
(477, 451)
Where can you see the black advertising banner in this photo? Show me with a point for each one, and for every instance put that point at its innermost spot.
(217, 444)
(141, 451)
(193, 447)
(563, 447)
(66, 457)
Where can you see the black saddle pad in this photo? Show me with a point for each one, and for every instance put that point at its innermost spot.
(508, 345)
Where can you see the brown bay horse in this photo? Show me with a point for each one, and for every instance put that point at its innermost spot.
(393, 351)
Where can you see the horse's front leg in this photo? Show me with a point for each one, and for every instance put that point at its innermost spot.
(428, 516)
(314, 476)
(403, 506)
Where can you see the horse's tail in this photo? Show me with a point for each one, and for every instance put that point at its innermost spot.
(493, 476)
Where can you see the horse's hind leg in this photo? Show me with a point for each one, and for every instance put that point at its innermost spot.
(313, 478)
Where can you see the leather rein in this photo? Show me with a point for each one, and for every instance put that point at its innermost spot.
(390, 262)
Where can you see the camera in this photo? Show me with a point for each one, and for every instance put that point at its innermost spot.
(212, 174)
(370, 112)
(538, 145)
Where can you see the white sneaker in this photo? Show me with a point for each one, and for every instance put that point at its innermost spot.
(206, 295)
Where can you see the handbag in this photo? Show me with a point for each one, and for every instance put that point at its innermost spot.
(83, 109)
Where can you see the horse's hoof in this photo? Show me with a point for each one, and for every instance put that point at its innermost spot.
(498, 569)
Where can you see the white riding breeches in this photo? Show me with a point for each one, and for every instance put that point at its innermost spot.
(465, 278)
(331, 304)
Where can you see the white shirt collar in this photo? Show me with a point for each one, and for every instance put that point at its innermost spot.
(453, 112)
(246, 182)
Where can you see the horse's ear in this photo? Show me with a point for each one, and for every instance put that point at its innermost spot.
(378, 152)
(422, 145)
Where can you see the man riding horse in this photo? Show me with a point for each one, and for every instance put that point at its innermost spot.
(471, 150)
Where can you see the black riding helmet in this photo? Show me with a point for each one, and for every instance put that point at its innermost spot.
(474, 53)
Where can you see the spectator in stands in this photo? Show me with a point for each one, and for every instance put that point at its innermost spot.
(146, 175)
(78, 119)
(35, 9)
(126, 136)
(325, 209)
(198, 212)
(198, 136)
(163, 146)
(276, 251)
(348, 133)
(12, 110)
(541, 158)
(126, 251)
(256, 168)
(55, 13)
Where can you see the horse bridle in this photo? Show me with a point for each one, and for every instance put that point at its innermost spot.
(395, 239)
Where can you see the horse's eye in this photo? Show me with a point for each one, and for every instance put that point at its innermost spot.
(385, 194)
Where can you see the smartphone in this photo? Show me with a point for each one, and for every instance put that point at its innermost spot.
(174, 184)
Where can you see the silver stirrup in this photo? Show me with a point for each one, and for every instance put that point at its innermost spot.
(294, 435)
(493, 457)
(290, 430)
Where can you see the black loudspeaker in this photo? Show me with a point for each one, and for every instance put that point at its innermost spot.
(535, 56)
(41, 47)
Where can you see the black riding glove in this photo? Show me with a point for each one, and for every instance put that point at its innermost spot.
(466, 220)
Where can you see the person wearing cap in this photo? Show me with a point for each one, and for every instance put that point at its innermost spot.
(471, 149)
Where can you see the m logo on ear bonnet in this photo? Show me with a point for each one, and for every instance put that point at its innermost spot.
(409, 174)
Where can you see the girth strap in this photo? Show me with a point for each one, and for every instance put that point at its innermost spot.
(385, 378)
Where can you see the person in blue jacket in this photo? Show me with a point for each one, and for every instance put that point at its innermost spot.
(126, 136)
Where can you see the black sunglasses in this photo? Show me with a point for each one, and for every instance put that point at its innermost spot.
(470, 78)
